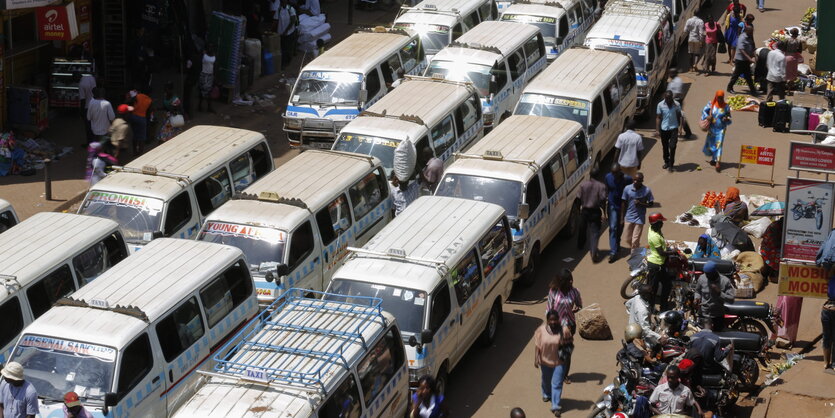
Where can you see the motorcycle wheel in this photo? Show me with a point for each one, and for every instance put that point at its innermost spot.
(750, 325)
(819, 219)
(748, 373)
(796, 214)
(630, 286)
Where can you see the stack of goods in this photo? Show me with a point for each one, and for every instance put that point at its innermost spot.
(226, 32)
(252, 49)
(807, 22)
(742, 102)
(24, 156)
(312, 29)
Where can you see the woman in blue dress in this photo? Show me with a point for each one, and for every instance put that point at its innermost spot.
(732, 32)
(718, 116)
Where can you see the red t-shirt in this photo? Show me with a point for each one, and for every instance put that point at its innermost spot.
(141, 105)
(742, 9)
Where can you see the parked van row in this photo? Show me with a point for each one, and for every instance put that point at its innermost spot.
(169, 191)
(562, 24)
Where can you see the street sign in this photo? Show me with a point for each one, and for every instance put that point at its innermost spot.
(817, 158)
(808, 220)
(802, 280)
(751, 154)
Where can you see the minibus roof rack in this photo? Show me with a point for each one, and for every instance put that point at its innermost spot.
(363, 157)
(104, 306)
(636, 8)
(10, 282)
(400, 254)
(493, 155)
(284, 315)
(407, 118)
(150, 170)
(476, 46)
(428, 7)
(466, 84)
(547, 3)
(271, 197)
(381, 29)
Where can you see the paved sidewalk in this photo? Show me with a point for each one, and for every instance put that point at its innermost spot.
(802, 391)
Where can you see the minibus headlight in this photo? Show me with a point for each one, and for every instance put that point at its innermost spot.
(519, 247)
(292, 123)
(415, 374)
(642, 90)
(488, 118)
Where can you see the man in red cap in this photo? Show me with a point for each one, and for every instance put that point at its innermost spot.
(73, 407)
(121, 133)
(656, 255)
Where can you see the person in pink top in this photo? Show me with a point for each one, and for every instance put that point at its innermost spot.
(565, 299)
(713, 32)
(548, 340)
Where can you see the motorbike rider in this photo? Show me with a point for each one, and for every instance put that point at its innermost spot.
(638, 309)
(712, 292)
(707, 351)
(636, 347)
(672, 397)
(656, 256)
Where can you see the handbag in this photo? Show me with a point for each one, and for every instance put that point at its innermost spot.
(177, 121)
(215, 93)
(722, 48)
(704, 124)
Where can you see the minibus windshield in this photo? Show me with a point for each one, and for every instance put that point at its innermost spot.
(261, 246)
(433, 37)
(505, 193)
(382, 148)
(477, 74)
(635, 50)
(405, 304)
(554, 107)
(137, 216)
(327, 87)
(56, 366)
(546, 24)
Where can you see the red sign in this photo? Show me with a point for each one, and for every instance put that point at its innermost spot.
(811, 157)
(57, 23)
(757, 155)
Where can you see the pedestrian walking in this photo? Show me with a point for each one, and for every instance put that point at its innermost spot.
(828, 324)
(761, 5)
(73, 407)
(676, 85)
(398, 194)
(173, 118)
(733, 28)
(713, 37)
(735, 4)
(743, 59)
(142, 105)
(616, 181)
(592, 197)
(548, 339)
(776, 63)
(749, 21)
(431, 173)
(635, 200)
(628, 149)
(794, 56)
(192, 80)
(102, 162)
(428, 401)
(717, 113)
(18, 398)
(565, 299)
(120, 132)
(656, 256)
(85, 93)
(286, 22)
(207, 79)
(100, 114)
(667, 121)
(695, 28)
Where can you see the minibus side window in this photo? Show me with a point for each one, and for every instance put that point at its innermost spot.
(588, 7)
(225, 293)
(366, 194)
(471, 20)
(467, 115)
(334, 219)
(443, 135)
(98, 258)
(596, 112)
(12, 320)
(500, 72)
(301, 245)
(484, 10)
(626, 79)
(457, 31)
(43, 294)
(178, 214)
(115, 245)
(380, 365)
(394, 66)
(137, 361)
(344, 401)
(533, 193)
(573, 17)
(213, 191)
(388, 73)
(241, 169)
(552, 174)
(410, 55)
(6, 220)
(532, 49)
(494, 246)
(608, 97)
(261, 161)
(563, 29)
(180, 329)
(569, 155)
(372, 83)
(581, 147)
(421, 145)
(650, 55)
(517, 64)
(466, 277)
(441, 307)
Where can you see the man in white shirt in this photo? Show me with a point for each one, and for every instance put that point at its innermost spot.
(695, 29)
(628, 150)
(286, 20)
(676, 85)
(311, 7)
(637, 311)
(672, 397)
(85, 94)
(100, 114)
(776, 63)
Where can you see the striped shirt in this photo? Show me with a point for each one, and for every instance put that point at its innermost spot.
(564, 304)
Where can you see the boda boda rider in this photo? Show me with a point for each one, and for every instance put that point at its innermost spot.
(656, 256)
(712, 292)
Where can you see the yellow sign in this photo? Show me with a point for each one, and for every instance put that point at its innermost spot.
(802, 280)
(748, 155)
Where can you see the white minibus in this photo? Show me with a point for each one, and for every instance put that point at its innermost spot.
(643, 31)
(8, 217)
(499, 58)
(681, 11)
(593, 88)
(443, 268)
(130, 342)
(440, 22)
(532, 167)
(333, 88)
(309, 358)
(437, 116)
(295, 224)
(46, 257)
(169, 191)
(562, 24)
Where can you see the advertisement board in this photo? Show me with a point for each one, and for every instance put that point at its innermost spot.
(57, 23)
(808, 281)
(812, 157)
(808, 218)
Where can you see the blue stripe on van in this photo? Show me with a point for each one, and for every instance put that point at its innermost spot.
(300, 109)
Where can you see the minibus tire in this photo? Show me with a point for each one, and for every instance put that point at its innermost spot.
(570, 228)
(442, 379)
(529, 277)
(495, 318)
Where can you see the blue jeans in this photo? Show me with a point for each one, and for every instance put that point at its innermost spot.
(552, 378)
(761, 4)
(615, 230)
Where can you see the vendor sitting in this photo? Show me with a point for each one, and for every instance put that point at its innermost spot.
(706, 248)
(734, 207)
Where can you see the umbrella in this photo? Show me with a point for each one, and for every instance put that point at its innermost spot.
(770, 209)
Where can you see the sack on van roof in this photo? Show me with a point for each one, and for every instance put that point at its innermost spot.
(405, 159)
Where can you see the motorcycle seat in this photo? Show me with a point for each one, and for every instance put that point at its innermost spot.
(743, 341)
(724, 267)
(712, 380)
(750, 308)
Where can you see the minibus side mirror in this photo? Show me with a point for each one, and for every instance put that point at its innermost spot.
(592, 129)
(493, 85)
(413, 341)
(157, 234)
(363, 97)
(110, 399)
(282, 270)
(648, 67)
(524, 210)
(426, 336)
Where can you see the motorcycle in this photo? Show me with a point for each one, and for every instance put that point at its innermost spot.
(676, 266)
(749, 349)
(810, 209)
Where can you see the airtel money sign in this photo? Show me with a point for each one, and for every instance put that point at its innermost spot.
(57, 23)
